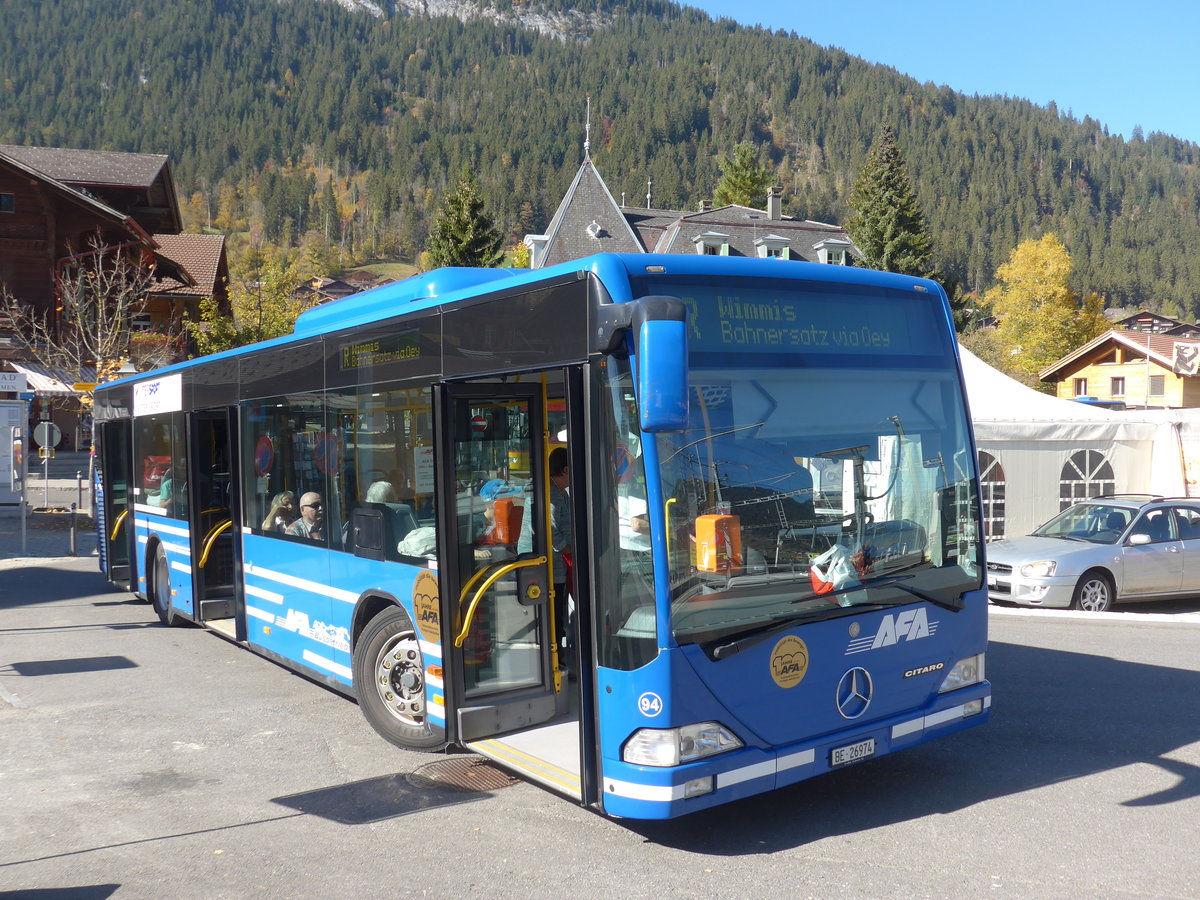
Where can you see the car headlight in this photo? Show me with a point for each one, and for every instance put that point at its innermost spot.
(964, 673)
(1041, 569)
(673, 746)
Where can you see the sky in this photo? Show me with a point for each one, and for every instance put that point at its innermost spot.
(1123, 64)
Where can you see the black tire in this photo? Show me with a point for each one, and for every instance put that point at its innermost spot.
(1094, 592)
(160, 587)
(389, 680)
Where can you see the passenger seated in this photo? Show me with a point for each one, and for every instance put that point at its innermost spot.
(283, 512)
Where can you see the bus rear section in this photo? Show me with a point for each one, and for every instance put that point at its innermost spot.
(814, 547)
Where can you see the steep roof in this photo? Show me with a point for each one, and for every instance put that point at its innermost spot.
(95, 167)
(587, 221)
(200, 255)
(1160, 347)
(139, 184)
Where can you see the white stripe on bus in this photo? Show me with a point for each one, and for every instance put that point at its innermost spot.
(327, 664)
(263, 594)
(313, 587)
(181, 567)
(260, 614)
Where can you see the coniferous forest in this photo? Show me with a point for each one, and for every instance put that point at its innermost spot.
(305, 121)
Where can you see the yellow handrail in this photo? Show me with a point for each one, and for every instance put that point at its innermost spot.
(211, 538)
(117, 524)
(500, 571)
(667, 523)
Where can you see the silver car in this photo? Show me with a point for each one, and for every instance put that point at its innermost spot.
(1102, 551)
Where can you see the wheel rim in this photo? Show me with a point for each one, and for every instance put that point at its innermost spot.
(1094, 595)
(400, 679)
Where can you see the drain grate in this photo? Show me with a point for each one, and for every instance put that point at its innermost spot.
(462, 773)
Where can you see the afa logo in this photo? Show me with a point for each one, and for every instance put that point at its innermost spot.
(907, 625)
(426, 605)
(789, 662)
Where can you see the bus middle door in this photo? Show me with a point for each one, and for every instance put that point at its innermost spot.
(494, 570)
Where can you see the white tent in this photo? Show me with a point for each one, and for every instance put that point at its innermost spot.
(1042, 451)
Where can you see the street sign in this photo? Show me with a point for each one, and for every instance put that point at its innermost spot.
(13, 381)
(47, 434)
(83, 386)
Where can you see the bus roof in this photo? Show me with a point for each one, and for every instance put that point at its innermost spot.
(446, 285)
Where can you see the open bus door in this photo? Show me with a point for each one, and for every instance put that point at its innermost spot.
(507, 697)
(212, 516)
(116, 474)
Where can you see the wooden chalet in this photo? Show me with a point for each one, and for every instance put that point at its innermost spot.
(1140, 369)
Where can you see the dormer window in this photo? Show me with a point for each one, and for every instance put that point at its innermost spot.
(712, 243)
(772, 247)
(832, 251)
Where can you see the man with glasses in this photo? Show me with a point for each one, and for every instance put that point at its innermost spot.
(312, 518)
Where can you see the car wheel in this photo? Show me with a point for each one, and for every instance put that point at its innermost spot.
(1094, 593)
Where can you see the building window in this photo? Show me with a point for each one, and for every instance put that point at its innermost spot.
(1158, 385)
(1086, 474)
(8, 203)
(991, 486)
(140, 322)
(836, 257)
(1080, 387)
(711, 250)
(712, 243)
(1118, 387)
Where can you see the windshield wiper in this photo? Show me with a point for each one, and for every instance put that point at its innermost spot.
(895, 581)
(749, 638)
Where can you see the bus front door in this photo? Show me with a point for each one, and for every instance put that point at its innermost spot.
(212, 508)
(116, 468)
(496, 586)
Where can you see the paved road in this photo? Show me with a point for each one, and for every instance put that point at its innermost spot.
(141, 761)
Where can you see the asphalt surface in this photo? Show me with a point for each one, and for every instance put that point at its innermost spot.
(142, 761)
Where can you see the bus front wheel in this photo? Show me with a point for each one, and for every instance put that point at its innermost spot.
(389, 680)
(160, 587)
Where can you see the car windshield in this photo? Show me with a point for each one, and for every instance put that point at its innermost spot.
(808, 485)
(1098, 523)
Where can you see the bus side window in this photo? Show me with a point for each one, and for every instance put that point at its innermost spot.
(287, 454)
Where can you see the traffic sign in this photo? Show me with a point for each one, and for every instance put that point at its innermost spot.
(83, 386)
(47, 434)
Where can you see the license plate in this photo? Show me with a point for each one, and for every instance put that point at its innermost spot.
(852, 753)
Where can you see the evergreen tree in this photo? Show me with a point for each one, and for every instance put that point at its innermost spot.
(887, 224)
(743, 181)
(463, 234)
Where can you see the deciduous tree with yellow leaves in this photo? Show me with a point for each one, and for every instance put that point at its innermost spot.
(1041, 319)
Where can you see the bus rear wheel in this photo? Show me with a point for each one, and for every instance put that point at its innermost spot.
(389, 680)
(160, 587)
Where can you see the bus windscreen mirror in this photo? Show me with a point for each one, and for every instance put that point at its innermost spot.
(661, 347)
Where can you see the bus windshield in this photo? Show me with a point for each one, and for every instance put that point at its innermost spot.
(817, 481)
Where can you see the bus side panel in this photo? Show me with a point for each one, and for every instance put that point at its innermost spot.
(292, 608)
(416, 588)
(175, 538)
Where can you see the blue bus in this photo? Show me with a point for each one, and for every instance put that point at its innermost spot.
(655, 532)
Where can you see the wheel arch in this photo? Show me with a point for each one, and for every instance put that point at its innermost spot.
(369, 605)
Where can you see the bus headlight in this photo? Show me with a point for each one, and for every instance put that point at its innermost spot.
(673, 746)
(965, 673)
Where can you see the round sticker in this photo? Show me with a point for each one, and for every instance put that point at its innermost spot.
(650, 704)
(264, 456)
(789, 661)
(426, 606)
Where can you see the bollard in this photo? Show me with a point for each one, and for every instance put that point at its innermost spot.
(74, 541)
(24, 508)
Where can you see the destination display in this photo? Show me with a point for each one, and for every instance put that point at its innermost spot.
(381, 350)
(797, 317)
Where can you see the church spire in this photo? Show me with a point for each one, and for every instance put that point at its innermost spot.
(587, 132)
